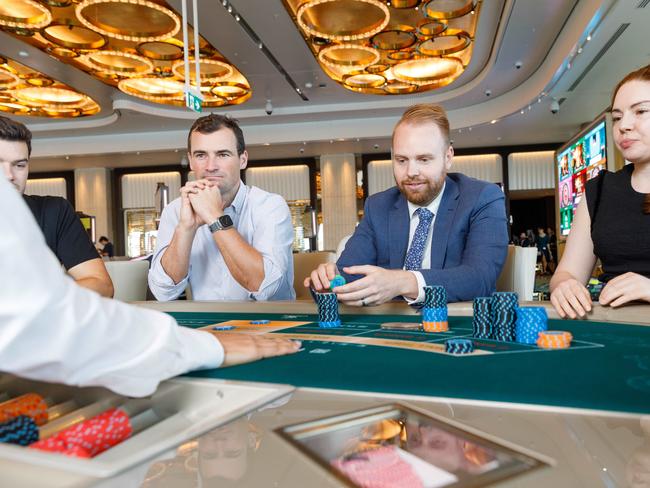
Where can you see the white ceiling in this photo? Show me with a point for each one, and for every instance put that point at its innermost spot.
(544, 36)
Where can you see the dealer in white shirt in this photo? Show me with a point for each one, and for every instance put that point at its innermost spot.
(52, 329)
(227, 240)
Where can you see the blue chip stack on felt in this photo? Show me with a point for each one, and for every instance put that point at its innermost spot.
(20, 430)
(482, 318)
(459, 346)
(434, 311)
(504, 316)
(530, 322)
(328, 310)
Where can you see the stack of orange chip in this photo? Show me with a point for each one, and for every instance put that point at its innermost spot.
(554, 339)
(435, 326)
(29, 404)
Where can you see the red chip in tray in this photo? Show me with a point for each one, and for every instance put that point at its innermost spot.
(91, 437)
(380, 468)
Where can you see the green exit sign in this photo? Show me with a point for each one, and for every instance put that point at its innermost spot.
(193, 101)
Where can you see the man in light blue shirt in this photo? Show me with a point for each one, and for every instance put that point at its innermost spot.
(227, 240)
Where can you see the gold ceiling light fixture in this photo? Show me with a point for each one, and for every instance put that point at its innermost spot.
(348, 56)
(167, 50)
(448, 9)
(129, 20)
(119, 63)
(210, 70)
(389, 47)
(24, 14)
(428, 70)
(26, 91)
(343, 20)
(133, 45)
(229, 90)
(73, 36)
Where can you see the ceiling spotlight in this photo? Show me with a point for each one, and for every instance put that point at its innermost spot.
(237, 18)
(493, 121)
(23, 54)
(309, 84)
(589, 38)
(268, 108)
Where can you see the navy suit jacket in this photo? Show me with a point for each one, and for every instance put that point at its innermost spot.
(469, 243)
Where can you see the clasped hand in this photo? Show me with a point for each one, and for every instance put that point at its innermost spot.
(201, 203)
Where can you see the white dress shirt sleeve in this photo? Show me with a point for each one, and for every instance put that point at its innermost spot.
(273, 238)
(421, 284)
(160, 284)
(54, 330)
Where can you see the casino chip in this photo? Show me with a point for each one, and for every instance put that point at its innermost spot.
(223, 327)
(554, 339)
(259, 322)
(401, 326)
(530, 322)
(337, 281)
(459, 346)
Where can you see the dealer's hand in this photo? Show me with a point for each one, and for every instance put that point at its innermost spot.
(378, 285)
(206, 201)
(625, 288)
(320, 278)
(571, 298)
(245, 348)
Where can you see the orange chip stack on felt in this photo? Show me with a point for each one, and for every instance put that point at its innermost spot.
(554, 339)
(30, 404)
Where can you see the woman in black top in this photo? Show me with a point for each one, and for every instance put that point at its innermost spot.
(613, 221)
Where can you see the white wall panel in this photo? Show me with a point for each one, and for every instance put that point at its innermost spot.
(46, 186)
(531, 170)
(485, 167)
(139, 190)
(339, 193)
(292, 182)
(380, 176)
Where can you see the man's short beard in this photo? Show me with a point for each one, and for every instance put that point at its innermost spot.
(425, 197)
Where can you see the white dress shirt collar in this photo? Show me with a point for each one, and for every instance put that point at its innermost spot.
(433, 206)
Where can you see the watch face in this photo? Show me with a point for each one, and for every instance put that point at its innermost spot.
(225, 221)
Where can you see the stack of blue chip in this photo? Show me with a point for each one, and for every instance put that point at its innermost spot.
(435, 297)
(459, 346)
(482, 318)
(530, 322)
(504, 316)
(328, 310)
(438, 314)
(20, 430)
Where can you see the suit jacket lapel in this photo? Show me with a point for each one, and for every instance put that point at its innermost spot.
(398, 232)
(442, 225)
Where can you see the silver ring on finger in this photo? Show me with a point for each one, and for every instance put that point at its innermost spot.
(363, 302)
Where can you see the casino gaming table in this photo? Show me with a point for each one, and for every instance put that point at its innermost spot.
(586, 408)
(360, 356)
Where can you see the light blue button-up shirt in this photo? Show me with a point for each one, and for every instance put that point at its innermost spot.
(263, 220)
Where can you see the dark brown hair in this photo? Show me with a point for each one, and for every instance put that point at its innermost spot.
(641, 74)
(214, 122)
(10, 130)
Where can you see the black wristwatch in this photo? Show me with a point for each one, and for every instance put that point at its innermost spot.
(222, 223)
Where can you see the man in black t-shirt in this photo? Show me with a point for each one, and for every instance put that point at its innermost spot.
(107, 249)
(64, 233)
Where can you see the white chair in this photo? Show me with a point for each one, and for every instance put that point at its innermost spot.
(518, 273)
(129, 279)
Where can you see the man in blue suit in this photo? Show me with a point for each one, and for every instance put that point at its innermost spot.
(433, 228)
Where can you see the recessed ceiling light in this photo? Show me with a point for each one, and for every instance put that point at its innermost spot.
(493, 121)
(23, 54)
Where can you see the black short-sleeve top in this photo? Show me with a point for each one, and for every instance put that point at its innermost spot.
(620, 230)
(63, 231)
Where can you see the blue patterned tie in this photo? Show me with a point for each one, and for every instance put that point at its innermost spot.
(416, 251)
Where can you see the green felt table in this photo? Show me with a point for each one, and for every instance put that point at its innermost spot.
(606, 368)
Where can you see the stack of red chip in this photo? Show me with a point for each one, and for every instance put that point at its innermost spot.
(379, 468)
(91, 437)
(30, 404)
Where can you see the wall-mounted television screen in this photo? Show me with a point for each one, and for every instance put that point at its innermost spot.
(578, 161)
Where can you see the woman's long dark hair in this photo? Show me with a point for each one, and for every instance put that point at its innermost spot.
(642, 74)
